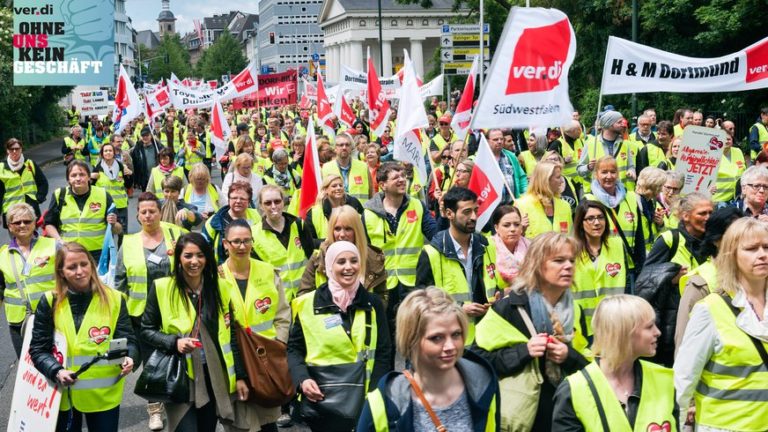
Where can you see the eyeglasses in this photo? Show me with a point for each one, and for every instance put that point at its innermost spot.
(271, 203)
(14, 149)
(238, 199)
(671, 189)
(22, 222)
(444, 124)
(593, 219)
(239, 242)
(447, 157)
(759, 187)
(465, 171)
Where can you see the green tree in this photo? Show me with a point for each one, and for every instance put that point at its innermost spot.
(170, 56)
(223, 57)
(30, 113)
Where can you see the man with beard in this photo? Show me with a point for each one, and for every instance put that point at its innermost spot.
(460, 261)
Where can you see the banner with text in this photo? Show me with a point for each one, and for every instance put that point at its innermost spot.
(274, 90)
(699, 158)
(355, 83)
(92, 102)
(66, 42)
(633, 68)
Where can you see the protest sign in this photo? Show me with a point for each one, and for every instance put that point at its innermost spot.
(35, 403)
(93, 102)
(274, 90)
(699, 157)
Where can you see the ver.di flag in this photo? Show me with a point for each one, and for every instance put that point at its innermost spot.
(311, 180)
(127, 103)
(324, 110)
(412, 118)
(341, 108)
(633, 68)
(220, 132)
(528, 83)
(460, 121)
(378, 113)
(156, 102)
(487, 182)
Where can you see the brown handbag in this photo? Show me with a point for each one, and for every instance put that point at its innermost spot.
(266, 361)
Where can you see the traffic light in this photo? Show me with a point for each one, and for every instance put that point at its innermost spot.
(271, 37)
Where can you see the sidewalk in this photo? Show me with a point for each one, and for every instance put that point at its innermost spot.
(46, 152)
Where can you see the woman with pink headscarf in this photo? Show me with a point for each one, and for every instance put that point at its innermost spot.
(338, 340)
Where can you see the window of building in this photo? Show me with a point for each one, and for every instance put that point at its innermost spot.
(409, 23)
(393, 23)
(362, 23)
(425, 22)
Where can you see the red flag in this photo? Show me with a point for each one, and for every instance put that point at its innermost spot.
(342, 109)
(460, 121)
(220, 132)
(378, 114)
(311, 180)
(487, 182)
(324, 110)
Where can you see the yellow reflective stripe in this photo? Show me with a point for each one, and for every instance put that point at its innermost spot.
(137, 295)
(583, 295)
(81, 360)
(16, 301)
(460, 297)
(608, 291)
(78, 234)
(264, 326)
(96, 383)
(33, 280)
(748, 395)
(82, 221)
(292, 266)
(735, 371)
(137, 279)
(359, 196)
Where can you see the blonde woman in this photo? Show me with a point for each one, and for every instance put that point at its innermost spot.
(542, 204)
(649, 185)
(619, 391)
(201, 193)
(345, 224)
(332, 196)
(79, 304)
(540, 294)
(725, 341)
(569, 191)
(242, 172)
(460, 387)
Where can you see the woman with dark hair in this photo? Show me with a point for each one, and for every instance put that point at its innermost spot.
(166, 167)
(511, 244)
(360, 126)
(22, 180)
(702, 280)
(189, 313)
(173, 209)
(601, 262)
(110, 174)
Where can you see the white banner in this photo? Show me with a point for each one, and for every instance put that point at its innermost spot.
(93, 102)
(699, 158)
(633, 68)
(240, 85)
(356, 82)
(527, 84)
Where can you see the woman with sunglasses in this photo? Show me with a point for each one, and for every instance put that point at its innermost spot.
(22, 180)
(110, 174)
(26, 269)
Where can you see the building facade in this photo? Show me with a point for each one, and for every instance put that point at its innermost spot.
(124, 43)
(351, 27)
(289, 36)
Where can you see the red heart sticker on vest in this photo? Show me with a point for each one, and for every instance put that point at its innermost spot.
(358, 180)
(612, 269)
(491, 270)
(564, 227)
(297, 241)
(655, 427)
(99, 335)
(263, 304)
(629, 216)
(94, 207)
(42, 261)
(412, 216)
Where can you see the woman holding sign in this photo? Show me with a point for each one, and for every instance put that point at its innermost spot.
(92, 317)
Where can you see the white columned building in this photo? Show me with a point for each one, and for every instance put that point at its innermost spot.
(350, 28)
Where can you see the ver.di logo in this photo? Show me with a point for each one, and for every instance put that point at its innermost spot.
(538, 60)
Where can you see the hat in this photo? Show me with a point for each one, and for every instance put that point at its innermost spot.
(241, 127)
(608, 108)
(146, 131)
(445, 118)
(609, 118)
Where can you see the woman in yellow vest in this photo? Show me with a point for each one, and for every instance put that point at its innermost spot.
(511, 245)
(144, 257)
(26, 269)
(242, 171)
(619, 392)
(281, 174)
(554, 343)
(332, 196)
(110, 174)
(537, 145)
(730, 169)
(650, 183)
(22, 180)
(81, 212)
(569, 190)
(281, 239)
(723, 369)
(345, 224)
(601, 262)
(174, 210)
(339, 335)
(89, 315)
(681, 246)
(238, 198)
(192, 152)
(166, 166)
(668, 198)
(259, 303)
(201, 193)
(190, 313)
(542, 204)
(431, 333)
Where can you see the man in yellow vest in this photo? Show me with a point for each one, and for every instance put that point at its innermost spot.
(357, 178)
(73, 115)
(443, 138)
(398, 225)
(570, 146)
(685, 119)
(458, 260)
(654, 152)
(758, 134)
(608, 143)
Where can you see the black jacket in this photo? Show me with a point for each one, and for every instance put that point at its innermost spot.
(323, 304)
(511, 360)
(327, 209)
(444, 244)
(41, 346)
(655, 285)
(141, 171)
(152, 320)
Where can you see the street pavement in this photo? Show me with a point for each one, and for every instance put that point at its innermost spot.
(133, 414)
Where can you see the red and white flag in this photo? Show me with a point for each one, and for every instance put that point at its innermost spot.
(311, 179)
(156, 102)
(411, 119)
(241, 84)
(487, 182)
(341, 108)
(528, 85)
(324, 109)
(463, 116)
(220, 132)
(127, 103)
(378, 105)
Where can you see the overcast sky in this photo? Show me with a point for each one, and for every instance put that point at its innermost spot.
(144, 12)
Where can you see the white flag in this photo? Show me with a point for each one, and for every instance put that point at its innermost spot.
(220, 132)
(127, 103)
(528, 83)
(432, 88)
(411, 119)
(487, 181)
